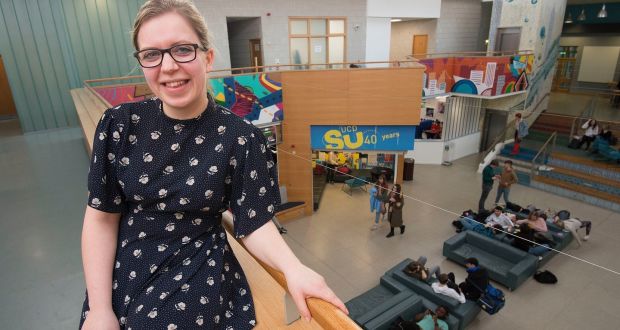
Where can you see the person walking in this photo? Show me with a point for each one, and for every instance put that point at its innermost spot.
(395, 216)
(521, 131)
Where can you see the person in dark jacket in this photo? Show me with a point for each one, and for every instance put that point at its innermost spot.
(488, 175)
(477, 280)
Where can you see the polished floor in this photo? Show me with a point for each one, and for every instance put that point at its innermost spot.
(42, 199)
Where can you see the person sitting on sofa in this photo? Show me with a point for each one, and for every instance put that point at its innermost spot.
(417, 270)
(536, 221)
(572, 225)
(447, 287)
(526, 240)
(433, 321)
(501, 219)
(477, 280)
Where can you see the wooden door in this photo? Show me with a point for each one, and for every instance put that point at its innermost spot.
(256, 53)
(420, 44)
(7, 106)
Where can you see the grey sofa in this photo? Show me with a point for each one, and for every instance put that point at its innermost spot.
(506, 264)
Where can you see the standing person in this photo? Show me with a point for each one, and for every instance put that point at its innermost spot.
(506, 179)
(591, 127)
(477, 280)
(162, 173)
(378, 198)
(521, 131)
(395, 216)
(488, 175)
(332, 163)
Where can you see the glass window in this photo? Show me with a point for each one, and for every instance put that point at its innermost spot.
(318, 51)
(318, 27)
(336, 49)
(299, 50)
(299, 26)
(336, 26)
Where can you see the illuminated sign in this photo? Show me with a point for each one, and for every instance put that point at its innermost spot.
(362, 137)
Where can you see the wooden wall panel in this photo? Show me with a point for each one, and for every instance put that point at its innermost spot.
(388, 96)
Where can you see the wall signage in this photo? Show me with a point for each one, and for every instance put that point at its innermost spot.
(333, 137)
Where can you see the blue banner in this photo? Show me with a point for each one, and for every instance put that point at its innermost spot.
(384, 138)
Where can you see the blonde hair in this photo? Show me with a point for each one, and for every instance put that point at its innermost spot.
(185, 8)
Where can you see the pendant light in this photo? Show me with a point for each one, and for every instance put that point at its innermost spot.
(602, 13)
(569, 18)
(582, 15)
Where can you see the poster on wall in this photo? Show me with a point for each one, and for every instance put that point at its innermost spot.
(333, 137)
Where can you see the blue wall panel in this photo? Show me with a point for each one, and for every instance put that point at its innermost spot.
(50, 47)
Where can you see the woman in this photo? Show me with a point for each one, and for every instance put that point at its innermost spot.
(378, 198)
(396, 211)
(591, 127)
(162, 172)
(526, 240)
(521, 131)
(536, 221)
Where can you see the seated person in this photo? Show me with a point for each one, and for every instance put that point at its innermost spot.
(536, 221)
(526, 240)
(572, 225)
(417, 270)
(447, 287)
(477, 280)
(502, 219)
(433, 321)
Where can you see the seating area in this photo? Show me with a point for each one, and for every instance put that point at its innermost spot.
(400, 295)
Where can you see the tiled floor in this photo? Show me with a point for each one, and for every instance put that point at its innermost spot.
(42, 196)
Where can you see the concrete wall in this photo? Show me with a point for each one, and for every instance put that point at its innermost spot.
(402, 36)
(404, 8)
(458, 28)
(240, 33)
(377, 40)
(274, 15)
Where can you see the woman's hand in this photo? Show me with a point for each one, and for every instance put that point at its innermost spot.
(101, 320)
(304, 283)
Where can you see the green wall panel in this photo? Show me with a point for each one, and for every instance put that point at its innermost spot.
(52, 46)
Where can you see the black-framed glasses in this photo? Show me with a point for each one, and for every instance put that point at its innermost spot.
(152, 57)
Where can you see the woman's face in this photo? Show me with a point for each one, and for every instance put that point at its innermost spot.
(180, 86)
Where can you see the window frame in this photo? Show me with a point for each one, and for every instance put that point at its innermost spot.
(308, 36)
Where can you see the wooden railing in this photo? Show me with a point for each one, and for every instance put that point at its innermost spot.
(417, 56)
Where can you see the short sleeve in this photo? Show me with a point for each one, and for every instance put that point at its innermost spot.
(254, 187)
(104, 191)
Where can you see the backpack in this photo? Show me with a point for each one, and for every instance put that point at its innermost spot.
(546, 277)
(492, 300)
(514, 207)
(482, 216)
(458, 225)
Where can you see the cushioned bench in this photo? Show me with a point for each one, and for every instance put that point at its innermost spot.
(377, 300)
(407, 309)
(288, 210)
(465, 313)
(506, 264)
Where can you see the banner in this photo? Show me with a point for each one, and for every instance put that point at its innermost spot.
(359, 138)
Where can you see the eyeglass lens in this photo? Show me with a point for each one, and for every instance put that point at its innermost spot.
(154, 57)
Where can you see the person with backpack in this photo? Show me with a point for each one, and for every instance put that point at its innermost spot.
(476, 281)
(521, 131)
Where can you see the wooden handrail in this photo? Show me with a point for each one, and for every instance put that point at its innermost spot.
(474, 54)
(326, 315)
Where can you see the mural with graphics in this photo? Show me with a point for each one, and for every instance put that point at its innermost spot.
(255, 97)
(485, 76)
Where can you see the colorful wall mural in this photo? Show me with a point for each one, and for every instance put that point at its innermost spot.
(485, 76)
(255, 97)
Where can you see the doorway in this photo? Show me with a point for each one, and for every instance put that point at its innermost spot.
(420, 45)
(256, 53)
(244, 42)
(508, 39)
(7, 106)
(493, 126)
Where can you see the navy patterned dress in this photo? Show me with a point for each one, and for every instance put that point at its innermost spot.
(171, 180)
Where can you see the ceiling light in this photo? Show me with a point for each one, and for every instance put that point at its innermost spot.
(602, 13)
(582, 15)
(569, 18)
(394, 20)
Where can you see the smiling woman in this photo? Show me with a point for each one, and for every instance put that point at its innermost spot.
(162, 172)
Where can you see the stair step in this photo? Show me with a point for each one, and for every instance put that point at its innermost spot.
(587, 177)
(613, 168)
(579, 188)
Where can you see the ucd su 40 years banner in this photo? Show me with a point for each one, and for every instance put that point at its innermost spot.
(384, 138)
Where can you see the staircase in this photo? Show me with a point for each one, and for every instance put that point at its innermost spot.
(581, 178)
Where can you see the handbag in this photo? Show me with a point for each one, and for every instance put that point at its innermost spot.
(492, 299)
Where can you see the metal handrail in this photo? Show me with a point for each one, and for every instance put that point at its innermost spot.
(502, 136)
(588, 111)
(552, 140)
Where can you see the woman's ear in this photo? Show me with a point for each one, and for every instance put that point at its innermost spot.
(209, 57)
